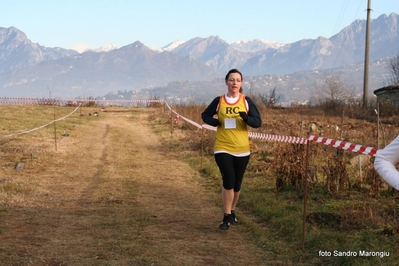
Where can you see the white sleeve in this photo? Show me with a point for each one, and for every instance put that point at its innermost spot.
(385, 161)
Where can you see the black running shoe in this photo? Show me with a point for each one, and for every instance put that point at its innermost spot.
(234, 220)
(224, 225)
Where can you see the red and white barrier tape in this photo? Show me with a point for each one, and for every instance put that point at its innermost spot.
(298, 140)
(290, 139)
(182, 117)
(25, 103)
(25, 100)
(344, 145)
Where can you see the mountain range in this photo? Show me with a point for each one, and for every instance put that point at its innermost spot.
(30, 70)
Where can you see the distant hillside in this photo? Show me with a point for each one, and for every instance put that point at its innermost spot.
(296, 87)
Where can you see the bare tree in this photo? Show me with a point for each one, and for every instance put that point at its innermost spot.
(270, 99)
(50, 90)
(335, 90)
(394, 69)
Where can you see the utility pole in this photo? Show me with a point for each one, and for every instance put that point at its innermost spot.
(366, 58)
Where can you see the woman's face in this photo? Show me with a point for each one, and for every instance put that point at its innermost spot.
(234, 83)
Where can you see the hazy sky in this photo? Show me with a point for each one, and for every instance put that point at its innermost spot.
(94, 23)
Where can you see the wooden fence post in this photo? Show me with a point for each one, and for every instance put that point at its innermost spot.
(171, 123)
(55, 132)
(305, 193)
(202, 145)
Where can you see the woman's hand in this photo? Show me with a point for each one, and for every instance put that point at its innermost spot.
(244, 116)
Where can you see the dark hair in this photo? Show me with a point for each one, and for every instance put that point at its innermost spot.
(233, 71)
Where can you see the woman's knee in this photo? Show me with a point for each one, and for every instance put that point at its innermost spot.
(228, 185)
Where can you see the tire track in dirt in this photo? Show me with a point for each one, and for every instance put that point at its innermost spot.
(88, 191)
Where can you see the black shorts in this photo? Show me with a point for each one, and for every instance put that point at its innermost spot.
(232, 169)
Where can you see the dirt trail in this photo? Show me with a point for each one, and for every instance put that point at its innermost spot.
(114, 197)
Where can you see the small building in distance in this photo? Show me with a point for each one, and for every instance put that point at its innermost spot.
(388, 93)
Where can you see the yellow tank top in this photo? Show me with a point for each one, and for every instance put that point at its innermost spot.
(232, 135)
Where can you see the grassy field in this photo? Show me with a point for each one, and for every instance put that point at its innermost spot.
(351, 217)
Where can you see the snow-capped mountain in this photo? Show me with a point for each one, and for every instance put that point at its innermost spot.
(256, 45)
(172, 45)
(82, 48)
(167, 48)
(106, 48)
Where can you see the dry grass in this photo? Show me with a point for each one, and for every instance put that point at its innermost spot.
(348, 207)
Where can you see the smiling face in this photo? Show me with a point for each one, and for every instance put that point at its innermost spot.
(233, 82)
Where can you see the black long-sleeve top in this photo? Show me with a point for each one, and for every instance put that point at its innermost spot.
(254, 120)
